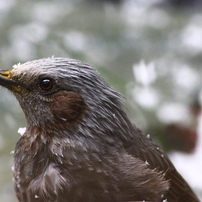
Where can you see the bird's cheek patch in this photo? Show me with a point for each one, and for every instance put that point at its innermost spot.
(67, 106)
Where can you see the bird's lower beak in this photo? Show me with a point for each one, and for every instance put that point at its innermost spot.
(7, 82)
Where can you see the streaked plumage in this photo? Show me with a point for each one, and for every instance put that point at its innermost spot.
(79, 144)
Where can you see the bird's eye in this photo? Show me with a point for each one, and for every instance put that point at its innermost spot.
(46, 84)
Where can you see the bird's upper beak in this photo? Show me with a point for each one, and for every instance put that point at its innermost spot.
(7, 82)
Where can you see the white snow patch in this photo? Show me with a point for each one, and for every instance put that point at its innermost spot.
(147, 97)
(173, 112)
(21, 131)
(36, 196)
(191, 37)
(144, 74)
(185, 77)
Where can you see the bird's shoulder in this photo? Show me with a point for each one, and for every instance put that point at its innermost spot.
(144, 148)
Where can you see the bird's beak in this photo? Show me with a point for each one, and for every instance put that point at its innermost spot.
(7, 82)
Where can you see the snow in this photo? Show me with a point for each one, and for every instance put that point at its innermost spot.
(144, 74)
(21, 131)
(173, 113)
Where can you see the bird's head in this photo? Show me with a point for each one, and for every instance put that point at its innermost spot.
(60, 93)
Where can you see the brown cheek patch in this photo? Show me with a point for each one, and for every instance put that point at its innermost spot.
(67, 106)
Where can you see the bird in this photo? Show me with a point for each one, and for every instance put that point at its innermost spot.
(79, 144)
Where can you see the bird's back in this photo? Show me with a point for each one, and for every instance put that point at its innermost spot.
(149, 152)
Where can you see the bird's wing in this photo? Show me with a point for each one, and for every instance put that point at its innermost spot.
(145, 149)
